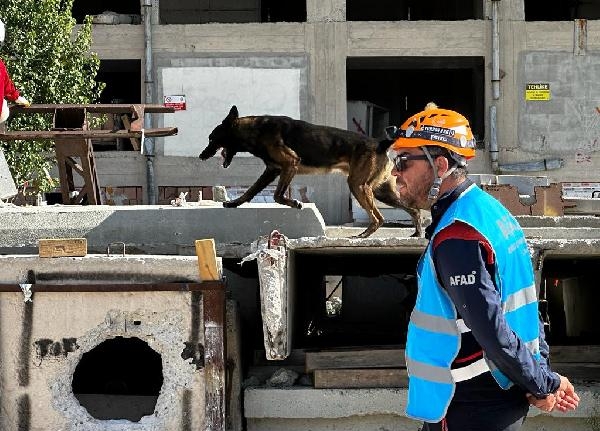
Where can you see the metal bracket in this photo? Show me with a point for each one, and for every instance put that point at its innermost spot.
(114, 243)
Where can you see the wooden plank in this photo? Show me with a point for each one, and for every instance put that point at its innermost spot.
(60, 247)
(579, 354)
(207, 259)
(361, 378)
(27, 135)
(135, 142)
(380, 358)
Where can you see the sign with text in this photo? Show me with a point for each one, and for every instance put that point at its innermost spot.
(176, 101)
(537, 92)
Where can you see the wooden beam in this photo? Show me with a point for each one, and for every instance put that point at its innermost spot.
(28, 135)
(361, 378)
(380, 358)
(60, 247)
(102, 108)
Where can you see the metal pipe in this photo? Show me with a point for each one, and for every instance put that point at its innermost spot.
(148, 144)
(495, 51)
(493, 140)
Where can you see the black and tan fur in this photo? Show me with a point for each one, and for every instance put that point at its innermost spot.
(289, 147)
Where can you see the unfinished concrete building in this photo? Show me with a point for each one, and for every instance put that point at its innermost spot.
(330, 357)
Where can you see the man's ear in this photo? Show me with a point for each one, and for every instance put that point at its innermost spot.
(442, 165)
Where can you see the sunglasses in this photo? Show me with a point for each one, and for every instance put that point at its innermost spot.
(400, 160)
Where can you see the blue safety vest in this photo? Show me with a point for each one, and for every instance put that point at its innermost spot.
(433, 339)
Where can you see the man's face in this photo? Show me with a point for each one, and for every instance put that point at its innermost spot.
(414, 177)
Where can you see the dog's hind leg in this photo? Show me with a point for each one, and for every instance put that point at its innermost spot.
(386, 193)
(263, 181)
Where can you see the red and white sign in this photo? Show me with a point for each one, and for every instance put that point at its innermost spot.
(177, 102)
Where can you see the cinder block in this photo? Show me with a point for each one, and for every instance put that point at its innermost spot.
(548, 199)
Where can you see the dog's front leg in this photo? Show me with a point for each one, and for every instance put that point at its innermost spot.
(285, 179)
(263, 181)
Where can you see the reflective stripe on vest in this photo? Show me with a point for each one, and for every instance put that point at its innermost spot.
(434, 329)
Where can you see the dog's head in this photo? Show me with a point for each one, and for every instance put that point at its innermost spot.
(223, 136)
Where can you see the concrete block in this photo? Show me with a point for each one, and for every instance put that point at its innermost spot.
(43, 342)
(547, 200)
(88, 354)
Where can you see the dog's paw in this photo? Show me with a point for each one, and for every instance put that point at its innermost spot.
(297, 204)
(231, 204)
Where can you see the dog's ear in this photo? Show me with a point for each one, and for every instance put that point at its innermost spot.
(232, 116)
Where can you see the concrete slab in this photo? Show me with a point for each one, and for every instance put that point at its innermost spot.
(320, 409)
(153, 229)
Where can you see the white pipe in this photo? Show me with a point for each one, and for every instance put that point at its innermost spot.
(495, 51)
(148, 143)
(493, 140)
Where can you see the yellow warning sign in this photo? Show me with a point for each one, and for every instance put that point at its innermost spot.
(537, 92)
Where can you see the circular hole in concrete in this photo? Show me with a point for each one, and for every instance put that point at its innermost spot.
(120, 378)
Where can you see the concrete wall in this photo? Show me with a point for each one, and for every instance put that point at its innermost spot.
(567, 127)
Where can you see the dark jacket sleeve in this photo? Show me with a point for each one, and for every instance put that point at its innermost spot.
(479, 306)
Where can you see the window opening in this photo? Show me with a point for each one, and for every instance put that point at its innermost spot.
(413, 10)
(238, 11)
(81, 8)
(123, 79)
(404, 85)
(561, 10)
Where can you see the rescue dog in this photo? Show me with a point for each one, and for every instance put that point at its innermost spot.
(289, 147)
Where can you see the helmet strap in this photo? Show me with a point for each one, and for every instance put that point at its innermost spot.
(434, 191)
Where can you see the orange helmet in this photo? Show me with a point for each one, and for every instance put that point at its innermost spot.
(435, 126)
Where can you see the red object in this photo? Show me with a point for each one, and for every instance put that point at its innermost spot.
(8, 89)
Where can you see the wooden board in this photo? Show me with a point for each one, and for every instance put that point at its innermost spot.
(207, 259)
(61, 247)
(380, 358)
(361, 378)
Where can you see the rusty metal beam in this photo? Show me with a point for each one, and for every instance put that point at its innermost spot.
(120, 287)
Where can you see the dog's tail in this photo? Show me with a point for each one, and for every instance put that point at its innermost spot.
(384, 145)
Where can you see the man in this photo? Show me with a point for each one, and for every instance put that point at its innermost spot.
(7, 88)
(475, 351)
